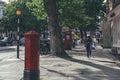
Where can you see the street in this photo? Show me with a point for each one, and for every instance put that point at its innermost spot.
(11, 68)
(101, 66)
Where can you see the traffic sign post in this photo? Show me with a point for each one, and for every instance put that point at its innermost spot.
(18, 13)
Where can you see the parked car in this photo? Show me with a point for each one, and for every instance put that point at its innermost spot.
(5, 41)
(2, 43)
(22, 41)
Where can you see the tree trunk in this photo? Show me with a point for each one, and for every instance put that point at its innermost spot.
(56, 41)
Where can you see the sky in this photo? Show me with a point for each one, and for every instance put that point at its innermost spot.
(5, 1)
(104, 0)
(8, 1)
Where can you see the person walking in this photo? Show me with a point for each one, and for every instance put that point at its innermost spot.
(88, 43)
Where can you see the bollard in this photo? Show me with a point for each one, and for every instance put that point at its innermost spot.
(31, 71)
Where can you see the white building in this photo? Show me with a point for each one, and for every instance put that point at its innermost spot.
(7, 1)
(1, 9)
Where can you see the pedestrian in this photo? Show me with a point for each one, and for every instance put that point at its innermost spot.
(98, 37)
(88, 43)
(75, 38)
(94, 40)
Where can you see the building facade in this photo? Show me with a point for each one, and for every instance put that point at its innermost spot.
(113, 18)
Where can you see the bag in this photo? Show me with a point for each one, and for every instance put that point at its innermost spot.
(92, 46)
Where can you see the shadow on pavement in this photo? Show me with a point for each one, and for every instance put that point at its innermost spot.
(95, 53)
(104, 73)
(104, 61)
(62, 74)
(106, 70)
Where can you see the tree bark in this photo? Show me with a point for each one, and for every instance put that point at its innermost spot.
(56, 41)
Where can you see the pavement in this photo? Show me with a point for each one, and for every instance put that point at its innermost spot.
(7, 48)
(101, 66)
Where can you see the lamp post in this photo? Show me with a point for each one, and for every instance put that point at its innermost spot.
(18, 13)
(104, 13)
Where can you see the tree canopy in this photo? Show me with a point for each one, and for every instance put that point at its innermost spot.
(41, 15)
(27, 19)
(71, 13)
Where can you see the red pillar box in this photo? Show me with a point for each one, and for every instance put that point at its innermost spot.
(67, 40)
(31, 71)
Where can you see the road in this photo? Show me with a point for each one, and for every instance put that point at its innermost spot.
(11, 68)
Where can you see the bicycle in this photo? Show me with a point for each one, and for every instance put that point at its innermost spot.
(44, 48)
